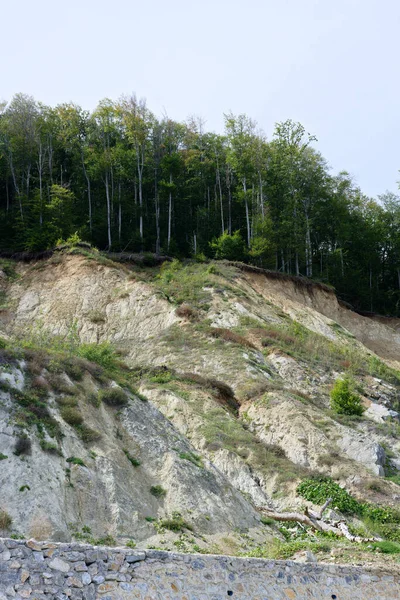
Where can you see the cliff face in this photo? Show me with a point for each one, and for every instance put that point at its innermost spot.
(226, 374)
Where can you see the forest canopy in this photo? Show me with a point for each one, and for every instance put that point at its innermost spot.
(125, 180)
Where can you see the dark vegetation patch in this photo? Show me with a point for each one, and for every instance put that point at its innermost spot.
(23, 446)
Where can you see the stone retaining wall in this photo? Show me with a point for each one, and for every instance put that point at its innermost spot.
(40, 570)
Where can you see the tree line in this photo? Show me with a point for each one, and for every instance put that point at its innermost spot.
(125, 180)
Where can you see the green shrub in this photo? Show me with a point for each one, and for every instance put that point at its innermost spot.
(229, 247)
(24, 487)
(3, 456)
(71, 415)
(103, 354)
(157, 491)
(130, 544)
(344, 400)
(320, 489)
(113, 396)
(5, 520)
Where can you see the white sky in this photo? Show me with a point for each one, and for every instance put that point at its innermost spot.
(333, 65)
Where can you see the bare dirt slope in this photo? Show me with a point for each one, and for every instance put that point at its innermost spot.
(236, 368)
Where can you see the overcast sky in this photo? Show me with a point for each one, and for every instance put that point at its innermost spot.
(332, 65)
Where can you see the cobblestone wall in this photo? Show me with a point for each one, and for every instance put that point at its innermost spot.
(39, 570)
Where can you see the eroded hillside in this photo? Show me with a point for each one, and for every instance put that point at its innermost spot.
(223, 376)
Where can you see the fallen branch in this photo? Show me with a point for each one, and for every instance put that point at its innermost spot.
(315, 521)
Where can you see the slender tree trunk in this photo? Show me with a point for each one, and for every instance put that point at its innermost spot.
(261, 195)
(40, 171)
(119, 213)
(108, 211)
(140, 178)
(247, 212)
(88, 191)
(50, 151)
(169, 212)
(16, 186)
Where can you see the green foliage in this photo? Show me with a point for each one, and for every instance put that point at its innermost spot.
(3, 456)
(103, 354)
(113, 396)
(24, 487)
(72, 240)
(49, 447)
(387, 547)
(279, 195)
(158, 491)
(320, 489)
(229, 247)
(130, 544)
(344, 400)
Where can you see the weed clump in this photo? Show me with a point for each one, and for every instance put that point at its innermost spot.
(158, 491)
(5, 520)
(71, 415)
(174, 523)
(113, 396)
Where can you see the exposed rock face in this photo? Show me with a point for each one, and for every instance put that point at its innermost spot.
(214, 458)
